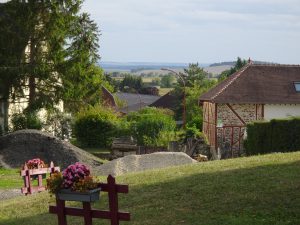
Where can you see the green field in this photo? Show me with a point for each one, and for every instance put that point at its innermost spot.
(254, 190)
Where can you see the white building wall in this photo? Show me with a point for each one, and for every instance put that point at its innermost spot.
(279, 111)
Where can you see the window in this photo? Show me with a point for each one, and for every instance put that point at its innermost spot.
(297, 86)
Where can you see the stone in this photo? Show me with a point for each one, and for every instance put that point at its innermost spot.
(136, 163)
(18, 147)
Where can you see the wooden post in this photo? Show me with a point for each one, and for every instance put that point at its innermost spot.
(62, 220)
(27, 179)
(87, 211)
(113, 200)
(52, 168)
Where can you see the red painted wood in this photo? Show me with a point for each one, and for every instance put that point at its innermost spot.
(87, 213)
(104, 214)
(61, 215)
(113, 200)
(27, 173)
(40, 180)
(113, 214)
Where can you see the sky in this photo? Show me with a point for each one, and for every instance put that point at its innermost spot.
(204, 31)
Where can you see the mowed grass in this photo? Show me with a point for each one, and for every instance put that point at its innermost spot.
(10, 178)
(262, 190)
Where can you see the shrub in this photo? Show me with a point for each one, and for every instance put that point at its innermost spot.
(150, 126)
(274, 136)
(59, 123)
(22, 121)
(95, 127)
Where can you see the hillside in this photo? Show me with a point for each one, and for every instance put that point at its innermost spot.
(254, 190)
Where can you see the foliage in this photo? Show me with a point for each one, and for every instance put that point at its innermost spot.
(196, 83)
(75, 177)
(167, 80)
(73, 173)
(35, 163)
(274, 136)
(149, 125)
(194, 75)
(55, 182)
(59, 123)
(242, 191)
(60, 63)
(27, 120)
(238, 65)
(95, 126)
(131, 83)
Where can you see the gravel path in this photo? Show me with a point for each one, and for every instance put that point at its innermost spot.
(9, 193)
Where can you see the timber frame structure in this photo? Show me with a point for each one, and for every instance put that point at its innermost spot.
(243, 98)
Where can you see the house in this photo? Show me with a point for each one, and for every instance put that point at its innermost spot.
(256, 92)
(131, 102)
(167, 101)
(134, 102)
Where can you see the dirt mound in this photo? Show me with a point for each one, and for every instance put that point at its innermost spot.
(135, 163)
(20, 146)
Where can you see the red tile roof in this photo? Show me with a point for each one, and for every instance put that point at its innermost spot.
(258, 83)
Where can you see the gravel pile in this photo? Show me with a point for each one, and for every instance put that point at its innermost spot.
(18, 147)
(135, 163)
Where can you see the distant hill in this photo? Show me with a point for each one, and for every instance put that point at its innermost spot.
(139, 66)
(223, 64)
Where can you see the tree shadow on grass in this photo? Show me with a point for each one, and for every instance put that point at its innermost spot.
(261, 195)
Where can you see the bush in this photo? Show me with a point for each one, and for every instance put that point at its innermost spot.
(59, 123)
(22, 121)
(95, 127)
(274, 136)
(150, 126)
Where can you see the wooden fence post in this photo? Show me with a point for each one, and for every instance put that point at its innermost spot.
(113, 200)
(87, 213)
(62, 219)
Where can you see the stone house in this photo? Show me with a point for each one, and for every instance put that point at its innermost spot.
(256, 92)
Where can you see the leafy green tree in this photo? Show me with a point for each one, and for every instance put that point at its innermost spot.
(151, 126)
(240, 63)
(52, 52)
(131, 83)
(167, 80)
(194, 74)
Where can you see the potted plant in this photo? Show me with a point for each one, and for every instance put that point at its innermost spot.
(36, 164)
(75, 183)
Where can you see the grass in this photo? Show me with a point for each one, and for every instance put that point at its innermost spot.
(10, 178)
(163, 91)
(254, 190)
(102, 153)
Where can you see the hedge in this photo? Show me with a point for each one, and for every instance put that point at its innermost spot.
(95, 127)
(278, 135)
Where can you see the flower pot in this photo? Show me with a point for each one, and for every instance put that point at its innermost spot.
(69, 195)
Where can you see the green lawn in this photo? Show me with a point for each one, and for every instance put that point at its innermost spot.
(10, 178)
(255, 190)
(102, 153)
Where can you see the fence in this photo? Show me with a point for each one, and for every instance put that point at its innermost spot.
(28, 174)
(88, 213)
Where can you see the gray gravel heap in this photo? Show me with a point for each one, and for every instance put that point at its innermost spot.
(18, 147)
(135, 163)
